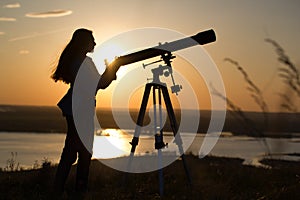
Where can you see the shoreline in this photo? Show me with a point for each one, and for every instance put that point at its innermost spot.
(277, 135)
(48, 119)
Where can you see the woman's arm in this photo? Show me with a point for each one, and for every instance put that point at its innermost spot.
(108, 76)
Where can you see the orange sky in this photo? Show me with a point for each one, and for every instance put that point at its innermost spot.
(33, 34)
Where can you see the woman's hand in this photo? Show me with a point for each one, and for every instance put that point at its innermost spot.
(109, 75)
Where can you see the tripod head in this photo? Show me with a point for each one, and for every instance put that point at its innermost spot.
(164, 70)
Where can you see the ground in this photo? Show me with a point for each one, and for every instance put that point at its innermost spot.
(212, 178)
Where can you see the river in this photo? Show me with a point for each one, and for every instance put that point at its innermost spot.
(27, 149)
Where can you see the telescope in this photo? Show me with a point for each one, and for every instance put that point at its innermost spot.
(160, 92)
(200, 38)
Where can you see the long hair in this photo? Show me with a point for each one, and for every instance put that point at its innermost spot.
(74, 52)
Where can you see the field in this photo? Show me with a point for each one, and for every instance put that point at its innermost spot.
(212, 178)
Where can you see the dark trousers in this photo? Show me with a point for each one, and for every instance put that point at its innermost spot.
(73, 146)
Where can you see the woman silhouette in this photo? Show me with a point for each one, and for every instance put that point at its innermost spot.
(69, 63)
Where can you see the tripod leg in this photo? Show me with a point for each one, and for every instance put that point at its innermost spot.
(135, 139)
(160, 173)
(140, 118)
(159, 144)
(137, 131)
(174, 127)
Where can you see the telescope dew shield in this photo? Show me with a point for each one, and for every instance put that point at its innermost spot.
(205, 37)
(201, 38)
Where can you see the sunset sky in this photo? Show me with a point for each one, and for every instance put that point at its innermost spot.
(33, 33)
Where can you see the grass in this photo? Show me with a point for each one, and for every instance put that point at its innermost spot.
(290, 76)
(212, 177)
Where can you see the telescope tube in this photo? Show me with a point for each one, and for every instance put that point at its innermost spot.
(201, 38)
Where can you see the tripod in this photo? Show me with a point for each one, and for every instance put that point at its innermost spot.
(162, 91)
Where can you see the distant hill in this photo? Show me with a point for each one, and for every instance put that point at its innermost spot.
(50, 120)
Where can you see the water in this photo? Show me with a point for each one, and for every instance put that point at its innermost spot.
(30, 148)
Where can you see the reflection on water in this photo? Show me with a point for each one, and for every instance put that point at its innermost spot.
(110, 143)
(113, 143)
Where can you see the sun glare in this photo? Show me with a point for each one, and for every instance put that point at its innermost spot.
(106, 53)
(121, 72)
(112, 51)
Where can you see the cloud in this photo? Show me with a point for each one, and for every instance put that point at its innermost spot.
(52, 13)
(2, 33)
(7, 19)
(14, 5)
(24, 37)
(36, 34)
(23, 52)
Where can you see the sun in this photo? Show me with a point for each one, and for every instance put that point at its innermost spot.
(112, 51)
(105, 53)
(121, 72)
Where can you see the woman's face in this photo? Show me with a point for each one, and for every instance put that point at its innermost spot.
(91, 44)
